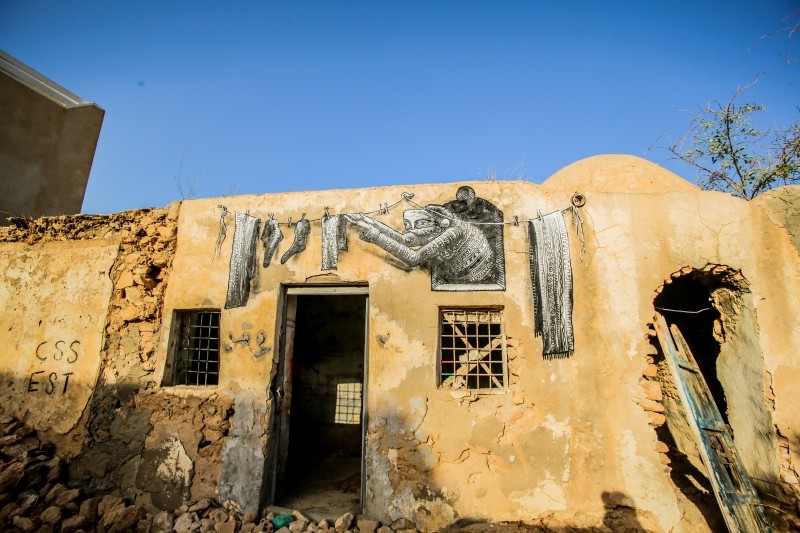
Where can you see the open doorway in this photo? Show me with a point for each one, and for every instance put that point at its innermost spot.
(686, 303)
(712, 377)
(321, 416)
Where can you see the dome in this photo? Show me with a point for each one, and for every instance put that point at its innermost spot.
(617, 173)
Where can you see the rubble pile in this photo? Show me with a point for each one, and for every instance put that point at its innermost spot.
(35, 496)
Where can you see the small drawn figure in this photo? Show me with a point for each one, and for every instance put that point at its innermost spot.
(457, 250)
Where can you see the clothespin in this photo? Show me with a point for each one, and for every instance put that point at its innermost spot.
(224, 209)
(326, 212)
(302, 217)
(539, 215)
(384, 208)
(516, 220)
(272, 216)
(290, 222)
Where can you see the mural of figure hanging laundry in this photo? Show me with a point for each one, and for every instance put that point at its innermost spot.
(461, 242)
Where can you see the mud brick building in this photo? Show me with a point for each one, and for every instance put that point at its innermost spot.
(493, 350)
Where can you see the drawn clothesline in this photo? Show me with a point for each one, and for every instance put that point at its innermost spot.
(578, 200)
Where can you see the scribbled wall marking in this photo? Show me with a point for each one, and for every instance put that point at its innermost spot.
(51, 298)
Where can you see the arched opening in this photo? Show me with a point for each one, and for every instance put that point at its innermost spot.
(687, 303)
(713, 311)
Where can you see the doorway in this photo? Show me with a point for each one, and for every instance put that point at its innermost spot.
(707, 360)
(319, 468)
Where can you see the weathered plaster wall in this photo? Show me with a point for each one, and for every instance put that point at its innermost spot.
(571, 440)
(53, 302)
(782, 216)
(740, 368)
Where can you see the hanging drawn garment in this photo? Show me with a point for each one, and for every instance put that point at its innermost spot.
(271, 237)
(223, 231)
(551, 275)
(301, 232)
(243, 260)
(334, 240)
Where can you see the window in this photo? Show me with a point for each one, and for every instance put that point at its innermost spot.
(472, 349)
(348, 403)
(197, 348)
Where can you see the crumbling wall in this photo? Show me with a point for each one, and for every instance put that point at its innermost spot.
(133, 439)
(740, 368)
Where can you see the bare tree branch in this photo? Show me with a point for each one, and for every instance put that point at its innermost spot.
(192, 189)
(732, 155)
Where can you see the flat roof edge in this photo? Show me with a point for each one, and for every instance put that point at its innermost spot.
(39, 83)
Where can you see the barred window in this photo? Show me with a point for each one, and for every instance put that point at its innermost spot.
(197, 348)
(472, 349)
(348, 403)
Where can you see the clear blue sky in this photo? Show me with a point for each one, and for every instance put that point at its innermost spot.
(267, 96)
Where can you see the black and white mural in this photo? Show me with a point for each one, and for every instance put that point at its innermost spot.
(551, 279)
(271, 237)
(461, 242)
(243, 260)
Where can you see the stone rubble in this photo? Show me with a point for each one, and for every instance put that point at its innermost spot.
(35, 497)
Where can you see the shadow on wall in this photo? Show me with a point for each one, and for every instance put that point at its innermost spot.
(616, 517)
(403, 483)
(109, 432)
(136, 441)
(115, 433)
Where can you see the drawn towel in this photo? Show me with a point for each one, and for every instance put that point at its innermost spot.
(243, 260)
(334, 240)
(551, 274)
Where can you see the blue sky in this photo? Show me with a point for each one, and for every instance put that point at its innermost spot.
(267, 96)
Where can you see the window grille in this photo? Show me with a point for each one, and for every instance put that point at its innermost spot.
(348, 403)
(197, 358)
(472, 349)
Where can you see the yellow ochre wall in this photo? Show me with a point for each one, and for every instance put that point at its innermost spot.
(568, 440)
(569, 435)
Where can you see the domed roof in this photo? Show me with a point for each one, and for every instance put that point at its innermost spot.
(617, 173)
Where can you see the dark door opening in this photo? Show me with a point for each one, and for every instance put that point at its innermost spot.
(688, 293)
(319, 467)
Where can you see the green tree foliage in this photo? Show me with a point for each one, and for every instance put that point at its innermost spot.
(732, 155)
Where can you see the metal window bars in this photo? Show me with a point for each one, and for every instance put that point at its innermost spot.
(198, 348)
(348, 403)
(472, 349)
